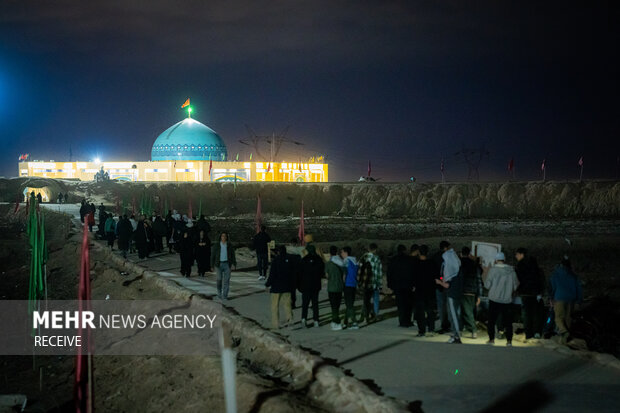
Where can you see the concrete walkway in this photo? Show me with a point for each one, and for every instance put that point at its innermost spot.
(445, 377)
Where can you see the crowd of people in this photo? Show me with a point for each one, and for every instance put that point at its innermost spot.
(180, 234)
(443, 292)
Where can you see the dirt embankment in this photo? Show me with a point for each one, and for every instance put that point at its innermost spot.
(524, 200)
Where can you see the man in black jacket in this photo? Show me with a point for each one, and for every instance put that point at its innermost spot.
(425, 301)
(311, 272)
(531, 285)
(400, 280)
(261, 245)
(472, 289)
(282, 281)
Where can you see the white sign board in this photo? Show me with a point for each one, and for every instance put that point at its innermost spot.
(486, 251)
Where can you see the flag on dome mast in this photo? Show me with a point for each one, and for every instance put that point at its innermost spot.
(189, 108)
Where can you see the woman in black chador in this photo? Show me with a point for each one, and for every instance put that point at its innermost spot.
(203, 253)
(186, 251)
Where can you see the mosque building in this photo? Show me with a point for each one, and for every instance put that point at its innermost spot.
(188, 151)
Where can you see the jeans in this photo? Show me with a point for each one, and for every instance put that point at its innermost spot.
(425, 308)
(306, 297)
(533, 313)
(468, 305)
(334, 301)
(375, 300)
(276, 300)
(223, 280)
(454, 313)
(349, 302)
(444, 321)
(495, 309)
(262, 264)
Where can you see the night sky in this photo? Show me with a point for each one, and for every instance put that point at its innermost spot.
(403, 84)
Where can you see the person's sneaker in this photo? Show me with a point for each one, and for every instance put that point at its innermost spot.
(537, 336)
(454, 340)
(261, 278)
(316, 323)
(354, 326)
(474, 335)
(509, 344)
(420, 335)
(490, 342)
(303, 322)
(336, 327)
(501, 335)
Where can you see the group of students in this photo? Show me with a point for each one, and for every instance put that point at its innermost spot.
(345, 277)
(446, 286)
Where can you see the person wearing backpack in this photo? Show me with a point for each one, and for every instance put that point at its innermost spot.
(350, 287)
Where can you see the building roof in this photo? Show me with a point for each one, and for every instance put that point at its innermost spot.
(189, 140)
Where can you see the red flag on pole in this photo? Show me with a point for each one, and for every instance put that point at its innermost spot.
(259, 214)
(84, 362)
(542, 167)
(185, 104)
(511, 164)
(580, 162)
(369, 169)
(269, 167)
(302, 233)
(441, 166)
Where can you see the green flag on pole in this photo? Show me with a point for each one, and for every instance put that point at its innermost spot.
(36, 237)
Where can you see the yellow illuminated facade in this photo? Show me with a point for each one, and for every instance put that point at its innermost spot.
(180, 171)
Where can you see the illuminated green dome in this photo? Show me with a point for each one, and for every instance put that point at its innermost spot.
(189, 140)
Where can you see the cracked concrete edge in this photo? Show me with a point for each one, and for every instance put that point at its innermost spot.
(327, 384)
(604, 359)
